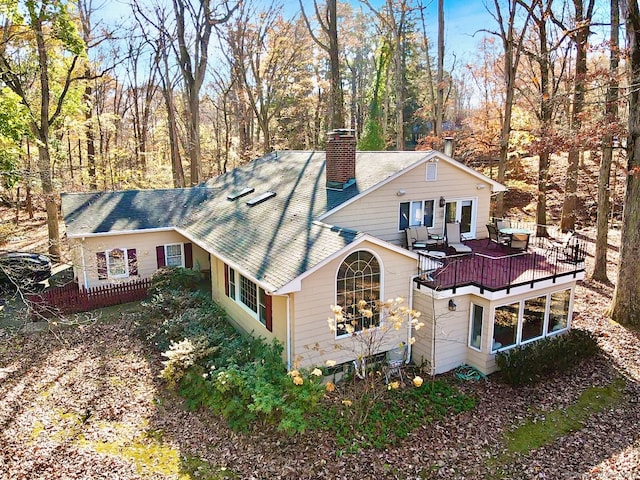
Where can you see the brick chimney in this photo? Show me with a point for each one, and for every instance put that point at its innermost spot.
(341, 159)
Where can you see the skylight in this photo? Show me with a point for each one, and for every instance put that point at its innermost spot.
(241, 193)
(261, 198)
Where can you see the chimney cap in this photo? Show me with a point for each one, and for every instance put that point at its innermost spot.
(341, 132)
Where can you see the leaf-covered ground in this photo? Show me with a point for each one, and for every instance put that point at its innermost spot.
(85, 403)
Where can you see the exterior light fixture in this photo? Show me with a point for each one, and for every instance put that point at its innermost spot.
(443, 202)
(400, 193)
(452, 305)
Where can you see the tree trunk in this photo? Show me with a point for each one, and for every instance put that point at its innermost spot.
(604, 191)
(581, 38)
(440, 74)
(53, 226)
(625, 306)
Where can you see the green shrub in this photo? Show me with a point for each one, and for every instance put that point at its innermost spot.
(530, 363)
(175, 278)
(393, 416)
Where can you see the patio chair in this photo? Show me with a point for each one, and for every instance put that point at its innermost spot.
(519, 241)
(496, 237)
(454, 239)
(394, 362)
(418, 238)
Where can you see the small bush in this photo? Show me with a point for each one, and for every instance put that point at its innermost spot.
(175, 278)
(530, 363)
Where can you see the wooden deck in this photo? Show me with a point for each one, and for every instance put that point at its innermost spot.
(493, 268)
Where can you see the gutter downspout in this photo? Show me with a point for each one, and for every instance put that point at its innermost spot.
(410, 327)
(289, 361)
(85, 280)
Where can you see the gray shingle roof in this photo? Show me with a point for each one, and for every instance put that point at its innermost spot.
(103, 212)
(274, 241)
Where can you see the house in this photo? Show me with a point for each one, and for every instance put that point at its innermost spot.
(292, 233)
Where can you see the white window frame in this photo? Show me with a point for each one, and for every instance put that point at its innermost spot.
(431, 172)
(545, 327)
(235, 295)
(471, 319)
(125, 254)
(411, 210)
(381, 274)
(166, 254)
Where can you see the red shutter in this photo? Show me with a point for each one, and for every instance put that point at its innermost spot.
(188, 255)
(160, 256)
(268, 306)
(101, 260)
(226, 279)
(133, 262)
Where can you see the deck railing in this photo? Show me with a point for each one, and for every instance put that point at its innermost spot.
(544, 260)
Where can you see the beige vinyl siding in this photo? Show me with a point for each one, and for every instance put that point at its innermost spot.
(241, 317)
(145, 246)
(378, 212)
(451, 329)
(313, 341)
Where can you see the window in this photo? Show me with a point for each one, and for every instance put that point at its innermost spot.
(117, 263)
(559, 311)
(505, 326)
(432, 172)
(415, 214)
(533, 318)
(475, 329)
(358, 280)
(249, 295)
(530, 319)
(173, 255)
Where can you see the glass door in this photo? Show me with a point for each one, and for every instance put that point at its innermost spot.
(462, 211)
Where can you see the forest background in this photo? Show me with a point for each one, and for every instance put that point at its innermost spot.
(168, 94)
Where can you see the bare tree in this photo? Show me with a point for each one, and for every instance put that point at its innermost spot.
(611, 117)
(328, 21)
(191, 48)
(579, 34)
(512, 45)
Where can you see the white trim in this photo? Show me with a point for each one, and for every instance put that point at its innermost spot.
(335, 290)
(265, 286)
(238, 297)
(125, 252)
(471, 318)
(295, 285)
(166, 255)
(546, 333)
(430, 156)
(120, 232)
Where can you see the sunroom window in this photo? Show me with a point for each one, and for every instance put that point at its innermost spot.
(530, 319)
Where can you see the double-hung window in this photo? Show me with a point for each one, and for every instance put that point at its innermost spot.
(250, 296)
(117, 263)
(416, 213)
(173, 255)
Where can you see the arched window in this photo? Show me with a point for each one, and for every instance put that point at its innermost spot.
(358, 279)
